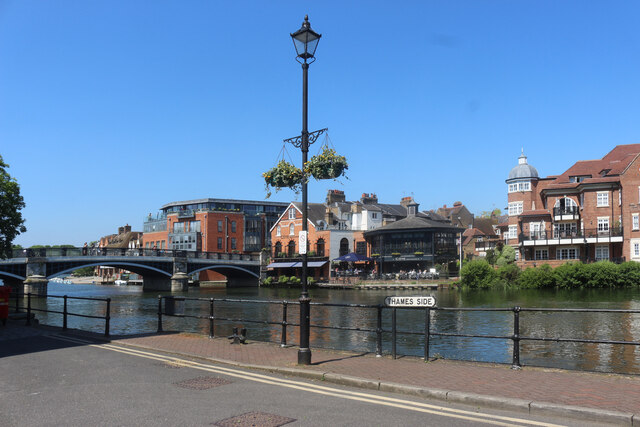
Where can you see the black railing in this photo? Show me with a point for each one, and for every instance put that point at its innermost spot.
(575, 234)
(29, 309)
(567, 210)
(78, 252)
(427, 333)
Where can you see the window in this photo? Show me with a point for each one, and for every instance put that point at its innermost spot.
(219, 226)
(233, 243)
(374, 215)
(344, 247)
(515, 208)
(178, 227)
(292, 213)
(219, 242)
(635, 248)
(603, 224)
(565, 229)
(519, 186)
(513, 232)
(291, 248)
(277, 250)
(292, 230)
(233, 226)
(536, 230)
(278, 231)
(602, 198)
(602, 253)
(194, 226)
(567, 253)
(541, 254)
(635, 221)
(361, 248)
(320, 247)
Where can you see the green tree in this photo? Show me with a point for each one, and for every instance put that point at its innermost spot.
(11, 203)
(507, 256)
(478, 274)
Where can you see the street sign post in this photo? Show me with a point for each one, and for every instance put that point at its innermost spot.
(413, 301)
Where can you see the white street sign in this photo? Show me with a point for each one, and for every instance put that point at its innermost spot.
(302, 242)
(419, 301)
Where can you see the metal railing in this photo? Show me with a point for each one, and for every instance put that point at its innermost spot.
(427, 333)
(77, 252)
(65, 311)
(575, 234)
(567, 210)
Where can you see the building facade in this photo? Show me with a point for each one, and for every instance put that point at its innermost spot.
(591, 212)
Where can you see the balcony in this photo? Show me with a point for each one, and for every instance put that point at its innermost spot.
(186, 213)
(557, 237)
(566, 213)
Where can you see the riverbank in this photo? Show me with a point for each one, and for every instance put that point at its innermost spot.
(85, 280)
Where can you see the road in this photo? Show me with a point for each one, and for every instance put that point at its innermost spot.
(60, 379)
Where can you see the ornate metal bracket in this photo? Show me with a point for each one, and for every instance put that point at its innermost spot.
(313, 137)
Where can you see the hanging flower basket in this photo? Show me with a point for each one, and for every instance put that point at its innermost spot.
(283, 175)
(327, 165)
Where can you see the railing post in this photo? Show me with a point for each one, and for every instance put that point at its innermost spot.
(64, 314)
(379, 333)
(159, 313)
(107, 318)
(516, 338)
(29, 309)
(18, 306)
(393, 332)
(283, 336)
(211, 325)
(427, 327)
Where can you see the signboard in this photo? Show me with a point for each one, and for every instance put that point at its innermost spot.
(416, 301)
(302, 242)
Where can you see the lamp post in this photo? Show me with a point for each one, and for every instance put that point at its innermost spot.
(305, 40)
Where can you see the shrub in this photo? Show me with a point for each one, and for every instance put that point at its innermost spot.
(569, 275)
(630, 273)
(478, 274)
(283, 280)
(602, 274)
(537, 278)
(268, 281)
(509, 273)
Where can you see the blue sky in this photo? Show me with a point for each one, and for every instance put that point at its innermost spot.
(110, 109)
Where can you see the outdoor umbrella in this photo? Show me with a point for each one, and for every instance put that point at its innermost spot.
(353, 257)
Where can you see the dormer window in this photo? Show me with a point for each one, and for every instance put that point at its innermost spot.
(578, 178)
(604, 172)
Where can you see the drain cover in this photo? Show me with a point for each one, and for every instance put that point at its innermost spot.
(202, 383)
(254, 419)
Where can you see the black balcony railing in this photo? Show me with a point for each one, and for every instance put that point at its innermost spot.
(567, 210)
(572, 234)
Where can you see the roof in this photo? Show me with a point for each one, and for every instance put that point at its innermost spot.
(413, 223)
(122, 240)
(537, 212)
(522, 170)
(485, 225)
(209, 200)
(315, 211)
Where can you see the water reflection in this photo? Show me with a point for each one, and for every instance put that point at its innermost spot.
(134, 312)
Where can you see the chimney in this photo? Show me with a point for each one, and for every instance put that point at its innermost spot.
(328, 216)
(456, 204)
(120, 230)
(127, 228)
(369, 199)
(334, 196)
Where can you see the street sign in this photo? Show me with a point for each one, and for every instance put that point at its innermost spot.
(302, 242)
(416, 301)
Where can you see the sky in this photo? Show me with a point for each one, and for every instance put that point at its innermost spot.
(111, 109)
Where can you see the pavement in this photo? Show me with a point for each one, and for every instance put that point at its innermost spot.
(599, 397)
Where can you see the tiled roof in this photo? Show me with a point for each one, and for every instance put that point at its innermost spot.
(537, 212)
(414, 223)
(315, 211)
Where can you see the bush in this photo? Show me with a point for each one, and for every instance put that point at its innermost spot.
(569, 275)
(509, 273)
(537, 278)
(283, 280)
(630, 273)
(478, 274)
(268, 281)
(602, 274)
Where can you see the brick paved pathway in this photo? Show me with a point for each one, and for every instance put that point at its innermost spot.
(592, 390)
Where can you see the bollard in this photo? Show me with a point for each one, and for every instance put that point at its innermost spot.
(159, 313)
(427, 327)
(283, 336)
(107, 318)
(379, 333)
(211, 325)
(29, 309)
(516, 338)
(238, 338)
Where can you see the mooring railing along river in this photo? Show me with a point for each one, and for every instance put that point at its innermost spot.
(571, 338)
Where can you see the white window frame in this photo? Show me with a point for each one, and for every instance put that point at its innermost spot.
(515, 208)
(635, 221)
(292, 213)
(602, 253)
(541, 254)
(602, 199)
(513, 232)
(520, 186)
(635, 249)
(603, 224)
(278, 231)
(292, 230)
(571, 253)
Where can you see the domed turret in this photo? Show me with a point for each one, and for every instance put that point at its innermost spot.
(523, 170)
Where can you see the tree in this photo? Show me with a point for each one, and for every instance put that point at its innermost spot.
(11, 203)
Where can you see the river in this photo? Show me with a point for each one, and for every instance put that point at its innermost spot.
(135, 312)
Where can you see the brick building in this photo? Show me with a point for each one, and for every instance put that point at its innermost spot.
(591, 212)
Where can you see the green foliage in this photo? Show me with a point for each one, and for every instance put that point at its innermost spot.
(630, 273)
(327, 165)
(491, 256)
(283, 280)
(84, 271)
(569, 275)
(284, 174)
(478, 274)
(537, 278)
(268, 281)
(11, 203)
(509, 273)
(603, 274)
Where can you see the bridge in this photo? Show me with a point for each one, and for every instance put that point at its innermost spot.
(161, 269)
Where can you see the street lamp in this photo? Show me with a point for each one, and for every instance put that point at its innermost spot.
(305, 40)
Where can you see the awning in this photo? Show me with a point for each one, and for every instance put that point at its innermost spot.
(353, 257)
(281, 265)
(310, 264)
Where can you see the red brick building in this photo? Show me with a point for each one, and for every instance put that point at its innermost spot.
(591, 212)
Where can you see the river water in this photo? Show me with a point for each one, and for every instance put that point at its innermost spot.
(135, 312)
